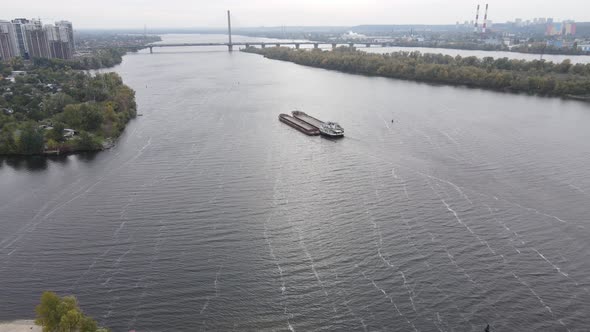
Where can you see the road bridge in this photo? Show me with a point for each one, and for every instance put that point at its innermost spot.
(230, 45)
(265, 44)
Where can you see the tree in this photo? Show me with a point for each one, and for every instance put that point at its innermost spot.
(57, 133)
(57, 314)
(91, 117)
(30, 140)
(86, 142)
(8, 144)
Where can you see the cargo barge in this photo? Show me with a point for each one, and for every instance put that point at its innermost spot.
(300, 125)
(327, 129)
(308, 119)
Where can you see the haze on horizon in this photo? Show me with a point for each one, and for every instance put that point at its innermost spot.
(112, 14)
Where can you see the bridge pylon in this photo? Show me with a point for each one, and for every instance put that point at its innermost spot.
(230, 46)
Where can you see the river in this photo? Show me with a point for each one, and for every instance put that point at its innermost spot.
(443, 208)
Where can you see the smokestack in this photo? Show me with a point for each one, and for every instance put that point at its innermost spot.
(476, 20)
(485, 19)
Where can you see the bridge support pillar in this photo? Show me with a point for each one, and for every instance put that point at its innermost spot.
(247, 45)
(263, 45)
(151, 50)
(230, 47)
(296, 46)
(368, 45)
(315, 45)
(334, 46)
(278, 45)
(351, 45)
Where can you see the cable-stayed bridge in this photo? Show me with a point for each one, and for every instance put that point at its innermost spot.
(230, 44)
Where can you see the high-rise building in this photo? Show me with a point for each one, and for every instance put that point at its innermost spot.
(8, 41)
(68, 25)
(32, 39)
(19, 26)
(565, 28)
(37, 43)
(58, 39)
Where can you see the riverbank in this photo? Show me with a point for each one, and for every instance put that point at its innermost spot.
(20, 326)
(519, 76)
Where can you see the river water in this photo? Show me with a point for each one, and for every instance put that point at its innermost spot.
(443, 208)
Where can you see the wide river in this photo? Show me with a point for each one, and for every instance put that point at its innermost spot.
(443, 208)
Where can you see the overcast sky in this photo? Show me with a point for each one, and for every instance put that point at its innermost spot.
(250, 13)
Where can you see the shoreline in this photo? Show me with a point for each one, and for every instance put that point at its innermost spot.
(20, 325)
(337, 61)
(107, 145)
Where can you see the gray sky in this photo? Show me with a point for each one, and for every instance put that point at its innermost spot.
(248, 13)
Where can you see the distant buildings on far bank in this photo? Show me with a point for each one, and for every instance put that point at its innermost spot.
(31, 39)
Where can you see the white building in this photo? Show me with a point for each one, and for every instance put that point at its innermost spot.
(67, 25)
(8, 41)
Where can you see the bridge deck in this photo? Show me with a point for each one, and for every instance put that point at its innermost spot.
(262, 43)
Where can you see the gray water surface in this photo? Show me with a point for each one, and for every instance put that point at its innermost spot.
(471, 207)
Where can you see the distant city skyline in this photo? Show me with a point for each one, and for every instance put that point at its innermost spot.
(110, 14)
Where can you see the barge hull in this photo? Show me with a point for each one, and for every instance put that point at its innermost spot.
(307, 119)
(298, 124)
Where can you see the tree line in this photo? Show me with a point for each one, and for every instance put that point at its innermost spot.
(533, 77)
(103, 58)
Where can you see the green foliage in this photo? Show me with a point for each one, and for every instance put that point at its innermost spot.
(57, 314)
(86, 116)
(99, 105)
(57, 132)
(5, 69)
(534, 77)
(542, 48)
(55, 103)
(87, 142)
(30, 140)
(103, 58)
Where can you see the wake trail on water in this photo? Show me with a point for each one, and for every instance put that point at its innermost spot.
(410, 239)
(461, 191)
(390, 298)
(504, 260)
(215, 288)
(37, 220)
(313, 269)
(378, 234)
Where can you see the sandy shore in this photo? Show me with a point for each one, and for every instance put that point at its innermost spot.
(20, 326)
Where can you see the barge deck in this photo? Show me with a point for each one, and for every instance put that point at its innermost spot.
(300, 125)
(308, 119)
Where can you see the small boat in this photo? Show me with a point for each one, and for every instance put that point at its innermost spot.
(331, 129)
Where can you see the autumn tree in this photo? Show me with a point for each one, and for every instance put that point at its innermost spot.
(55, 314)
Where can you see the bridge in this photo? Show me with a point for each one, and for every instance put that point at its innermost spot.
(230, 45)
(264, 44)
